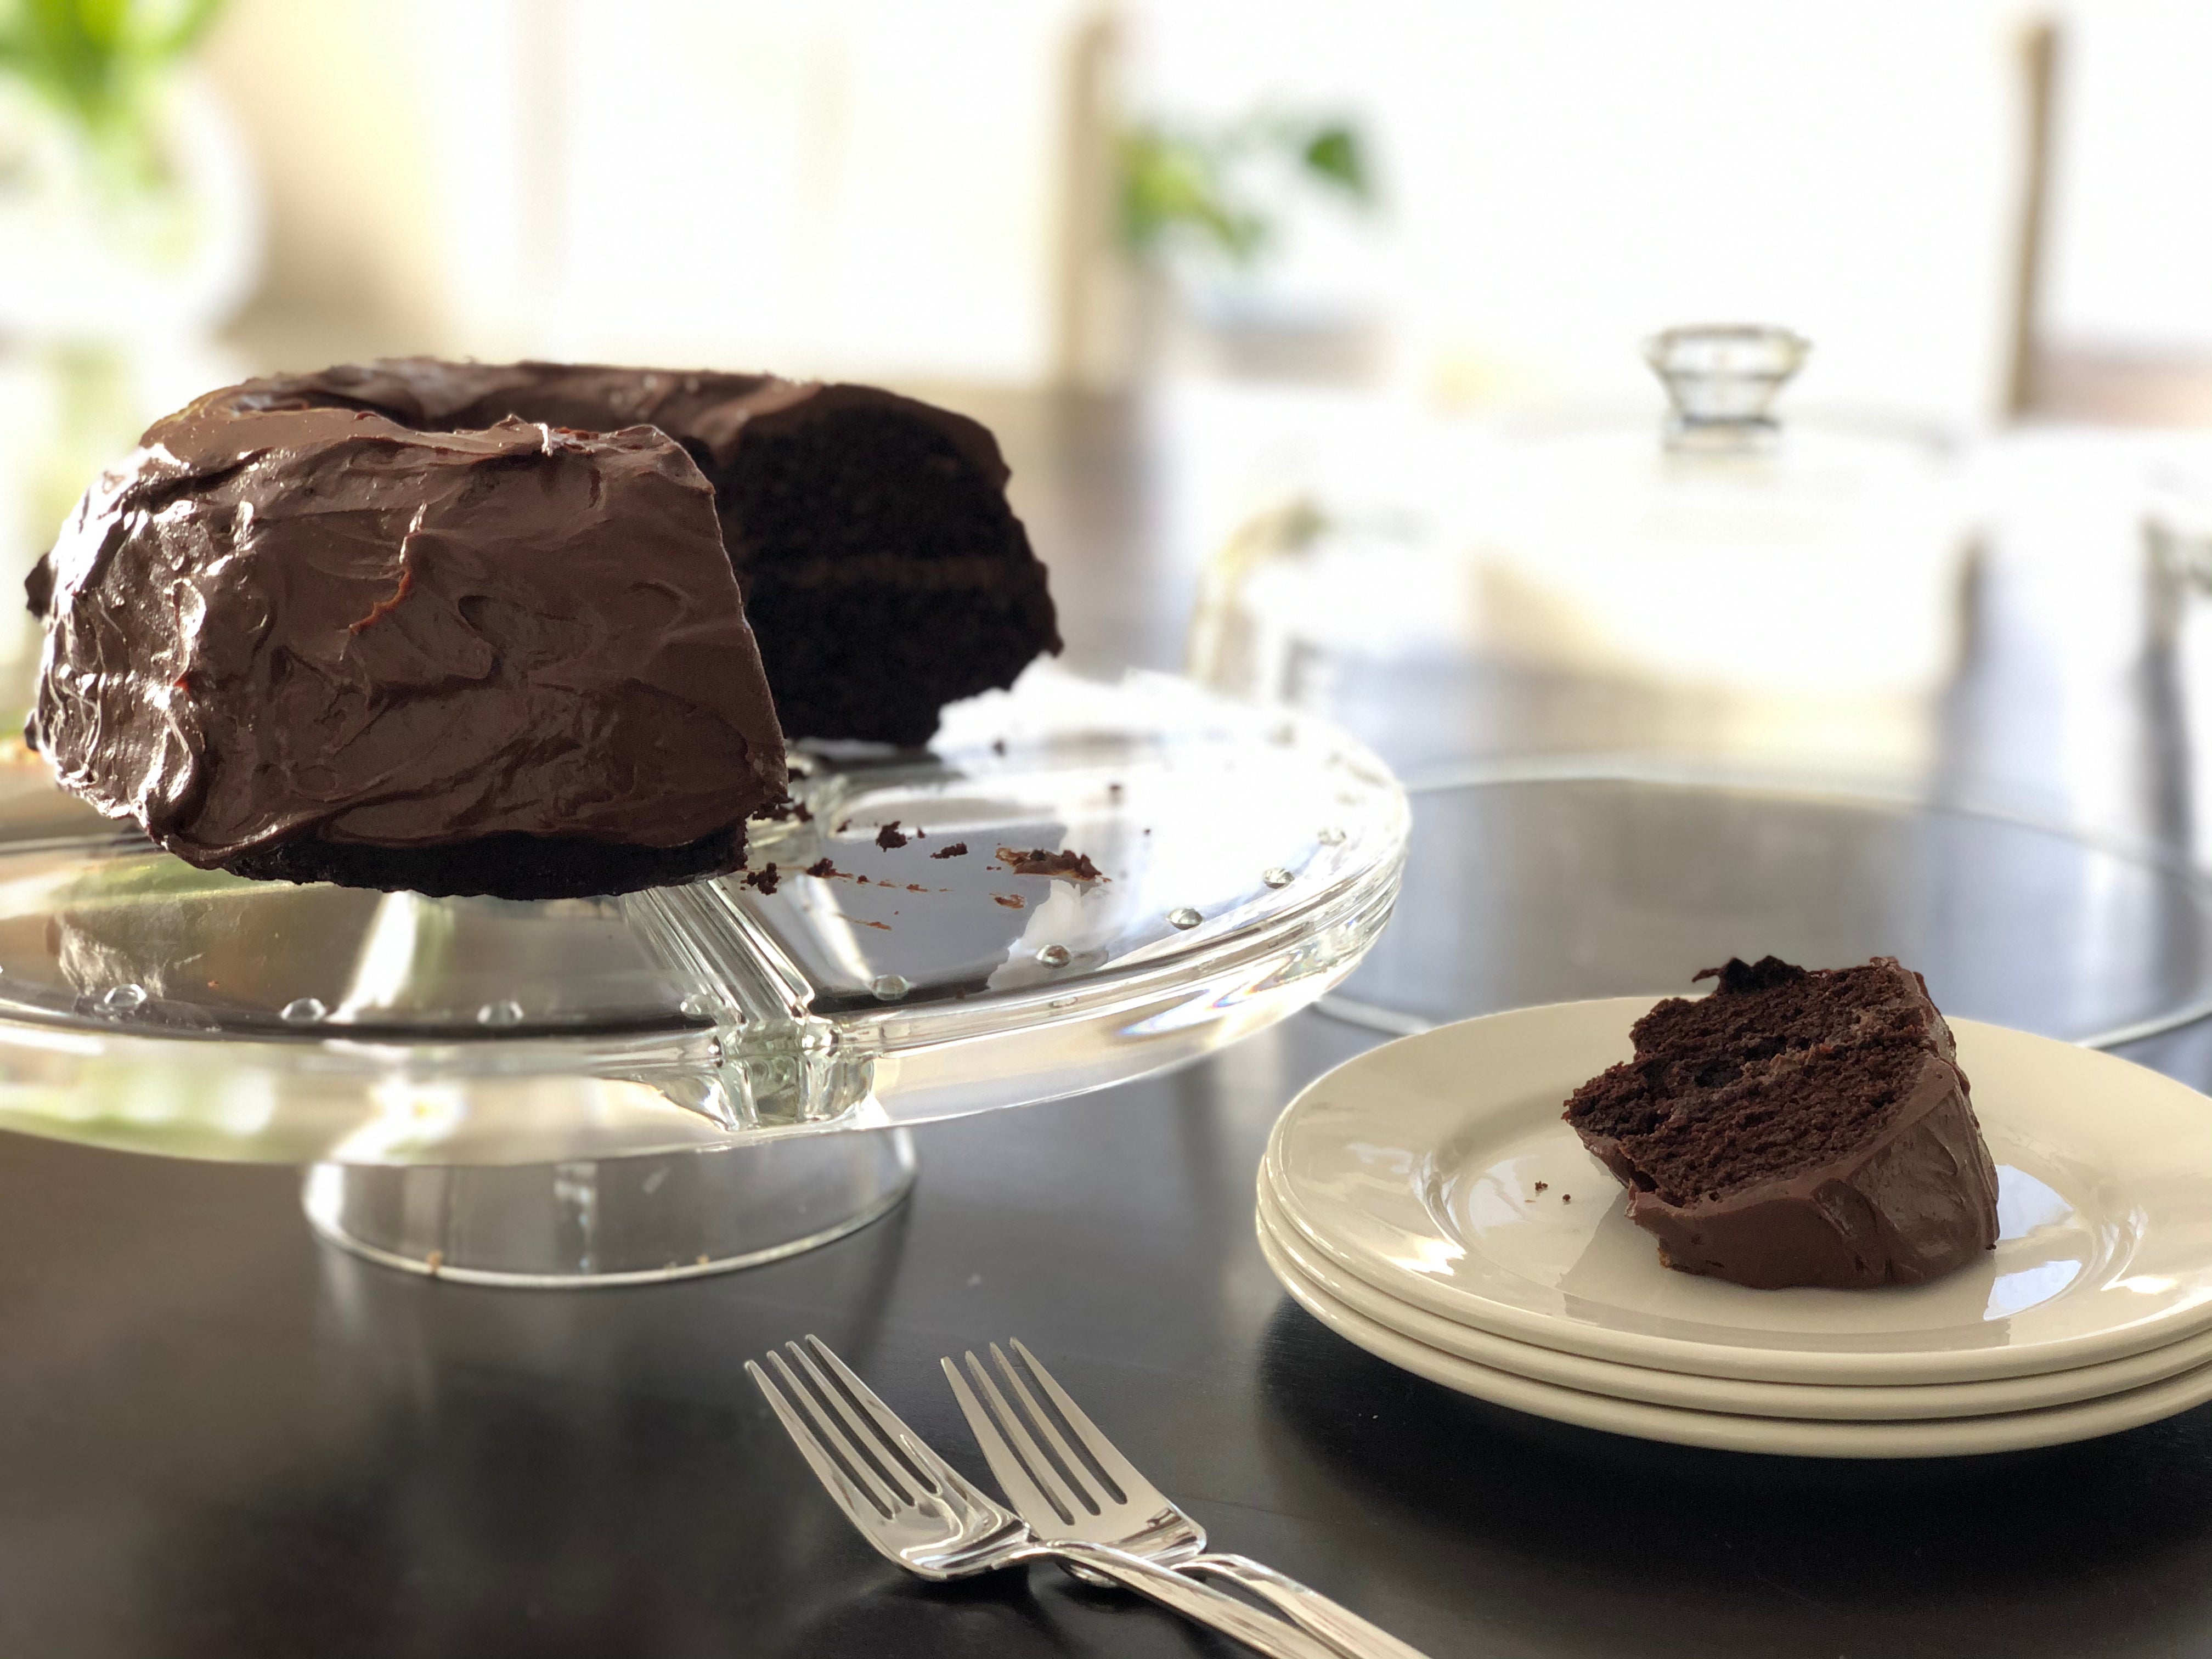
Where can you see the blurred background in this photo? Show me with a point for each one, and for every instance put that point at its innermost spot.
(1318, 336)
(1503, 200)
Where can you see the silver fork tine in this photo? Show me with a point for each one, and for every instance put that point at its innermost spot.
(1014, 1479)
(945, 1480)
(956, 1530)
(1119, 1469)
(871, 1436)
(861, 1507)
(882, 1485)
(1081, 1473)
(1011, 1428)
(1148, 1524)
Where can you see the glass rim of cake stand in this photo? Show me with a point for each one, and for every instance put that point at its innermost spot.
(553, 1050)
(334, 1101)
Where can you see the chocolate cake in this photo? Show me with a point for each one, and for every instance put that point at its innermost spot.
(1797, 1128)
(474, 629)
(885, 575)
(315, 644)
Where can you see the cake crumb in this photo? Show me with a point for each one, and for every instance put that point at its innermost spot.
(822, 868)
(1043, 861)
(1011, 901)
(1566, 1198)
(888, 837)
(762, 880)
(842, 826)
(1541, 1185)
(958, 849)
(998, 745)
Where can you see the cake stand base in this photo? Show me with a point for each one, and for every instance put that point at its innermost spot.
(612, 1221)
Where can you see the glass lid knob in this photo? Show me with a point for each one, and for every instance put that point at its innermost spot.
(1720, 379)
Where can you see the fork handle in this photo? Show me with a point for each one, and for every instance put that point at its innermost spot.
(1345, 1631)
(1193, 1599)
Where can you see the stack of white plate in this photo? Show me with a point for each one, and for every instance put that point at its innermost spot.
(1426, 1202)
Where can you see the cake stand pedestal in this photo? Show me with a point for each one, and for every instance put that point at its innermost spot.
(613, 1221)
(625, 1090)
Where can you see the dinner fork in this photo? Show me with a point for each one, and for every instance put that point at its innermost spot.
(918, 1510)
(1100, 1498)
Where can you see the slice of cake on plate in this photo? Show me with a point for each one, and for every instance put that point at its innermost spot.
(1797, 1128)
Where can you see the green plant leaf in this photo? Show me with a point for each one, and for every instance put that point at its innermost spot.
(96, 59)
(1172, 184)
(1185, 188)
(1336, 156)
(185, 30)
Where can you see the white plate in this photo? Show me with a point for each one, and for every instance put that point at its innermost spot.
(1839, 1402)
(1949, 1437)
(1415, 1166)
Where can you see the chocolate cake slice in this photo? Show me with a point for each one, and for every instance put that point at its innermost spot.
(1797, 1128)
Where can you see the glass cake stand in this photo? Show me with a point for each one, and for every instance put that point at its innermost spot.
(1541, 881)
(596, 1090)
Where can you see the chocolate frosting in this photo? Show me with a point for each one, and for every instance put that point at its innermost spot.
(710, 414)
(714, 409)
(1914, 1201)
(1909, 1205)
(289, 616)
(883, 571)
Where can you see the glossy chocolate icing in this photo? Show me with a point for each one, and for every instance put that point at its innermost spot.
(884, 573)
(710, 413)
(286, 619)
(1915, 1199)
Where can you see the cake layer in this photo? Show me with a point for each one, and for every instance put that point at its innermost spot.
(498, 866)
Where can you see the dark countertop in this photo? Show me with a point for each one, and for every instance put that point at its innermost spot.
(220, 1437)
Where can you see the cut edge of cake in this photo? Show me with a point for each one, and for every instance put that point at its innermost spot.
(1743, 1154)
